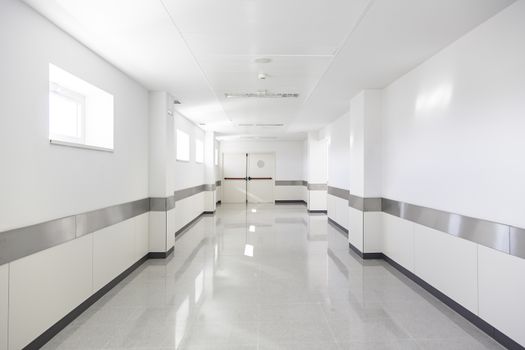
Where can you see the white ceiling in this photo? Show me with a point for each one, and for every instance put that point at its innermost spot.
(325, 50)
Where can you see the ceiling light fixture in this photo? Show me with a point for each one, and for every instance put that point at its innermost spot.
(263, 60)
(262, 94)
(262, 76)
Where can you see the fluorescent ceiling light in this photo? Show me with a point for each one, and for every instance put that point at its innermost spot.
(251, 228)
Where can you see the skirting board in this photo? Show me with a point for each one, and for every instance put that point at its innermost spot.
(43, 338)
(160, 255)
(340, 228)
(191, 223)
(289, 201)
(465, 313)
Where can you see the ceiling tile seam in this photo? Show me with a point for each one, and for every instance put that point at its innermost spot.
(194, 59)
(343, 43)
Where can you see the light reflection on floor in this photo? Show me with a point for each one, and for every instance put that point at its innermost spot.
(271, 278)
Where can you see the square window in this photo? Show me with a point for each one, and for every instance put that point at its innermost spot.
(80, 114)
(183, 146)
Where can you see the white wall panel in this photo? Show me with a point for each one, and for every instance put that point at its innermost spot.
(342, 214)
(219, 193)
(398, 240)
(157, 231)
(373, 232)
(290, 193)
(331, 205)
(4, 293)
(448, 263)
(45, 286)
(141, 227)
(317, 200)
(113, 252)
(501, 291)
(472, 90)
(171, 224)
(355, 228)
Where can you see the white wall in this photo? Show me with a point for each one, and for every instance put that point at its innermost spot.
(40, 181)
(288, 155)
(338, 133)
(453, 140)
(453, 127)
(188, 174)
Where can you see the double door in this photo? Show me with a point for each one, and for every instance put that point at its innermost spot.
(248, 177)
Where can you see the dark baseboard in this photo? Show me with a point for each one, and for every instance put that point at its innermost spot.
(289, 201)
(318, 211)
(191, 223)
(340, 228)
(43, 338)
(461, 310)
(160, 255)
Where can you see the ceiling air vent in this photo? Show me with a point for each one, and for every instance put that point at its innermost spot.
(262, 94)
(270, 125)
(245, 124)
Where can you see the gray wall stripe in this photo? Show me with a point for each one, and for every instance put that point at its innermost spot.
(317, 187)
(289, 183)
(24, 241)
(338, 192)
(98, 219)
(17, 243)
(517, 242)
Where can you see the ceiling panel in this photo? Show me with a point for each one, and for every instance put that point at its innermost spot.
(325, 50)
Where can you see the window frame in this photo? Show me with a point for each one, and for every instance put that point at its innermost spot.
(188, 144)
(80, 100)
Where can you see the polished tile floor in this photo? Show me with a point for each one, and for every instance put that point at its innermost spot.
(267, 277)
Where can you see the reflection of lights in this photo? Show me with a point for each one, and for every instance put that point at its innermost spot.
(216, 252)
(251, 228)
(437, 98)
(199, 286)
(351, 140)
(254, 210)
(181, 319)
(248, 250)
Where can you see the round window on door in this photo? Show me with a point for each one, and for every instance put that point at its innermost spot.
(260, 163)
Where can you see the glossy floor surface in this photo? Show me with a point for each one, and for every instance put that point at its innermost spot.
(268, 277)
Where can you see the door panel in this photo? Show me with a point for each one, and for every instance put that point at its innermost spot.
(261, 168)
(234, 178)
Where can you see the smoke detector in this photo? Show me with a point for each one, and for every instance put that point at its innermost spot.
(262, 94)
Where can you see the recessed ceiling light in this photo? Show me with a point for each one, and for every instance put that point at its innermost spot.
(263, 60)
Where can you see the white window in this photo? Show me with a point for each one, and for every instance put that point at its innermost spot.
(199, 151)
(183, 146)
(80, 114)
(216, 156)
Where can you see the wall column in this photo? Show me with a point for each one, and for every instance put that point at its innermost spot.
(365, 172)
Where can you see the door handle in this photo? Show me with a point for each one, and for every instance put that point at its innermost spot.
(259, 178)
